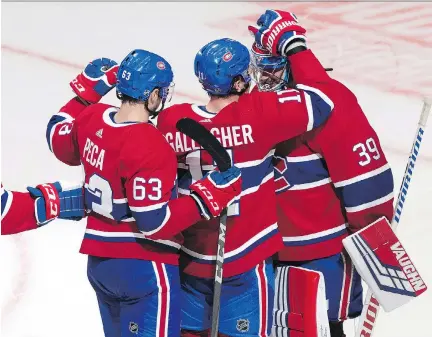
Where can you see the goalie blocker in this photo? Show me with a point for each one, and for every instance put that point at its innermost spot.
(384, 264)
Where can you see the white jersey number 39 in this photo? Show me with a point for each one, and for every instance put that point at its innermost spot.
(366, 150)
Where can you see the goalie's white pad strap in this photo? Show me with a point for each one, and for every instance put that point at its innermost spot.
(300, 305)
(384, 265)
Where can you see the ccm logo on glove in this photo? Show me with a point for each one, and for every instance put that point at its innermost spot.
(77, 85)
(51, 197)
(208, 195)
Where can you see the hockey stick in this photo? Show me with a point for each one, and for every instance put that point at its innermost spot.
(203, 137)
(371, 306)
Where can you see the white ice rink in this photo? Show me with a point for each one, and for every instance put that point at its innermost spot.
(383, 52)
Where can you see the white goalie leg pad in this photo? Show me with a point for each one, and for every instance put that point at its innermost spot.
(384, 265)
(300, 305)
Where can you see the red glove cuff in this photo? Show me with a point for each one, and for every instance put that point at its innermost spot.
(52, 200)
(83, 87)
(204, 189)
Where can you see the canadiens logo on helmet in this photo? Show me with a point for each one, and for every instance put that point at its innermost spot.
(160, 65)
(260, 50)
(227, 56)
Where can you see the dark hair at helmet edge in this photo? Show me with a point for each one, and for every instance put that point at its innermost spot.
(127, 99)
(133, 101)
(233, 91)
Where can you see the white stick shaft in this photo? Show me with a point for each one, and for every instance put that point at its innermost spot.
(371, 306)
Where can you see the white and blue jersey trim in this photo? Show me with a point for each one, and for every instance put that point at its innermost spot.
(366, 190)
(237, 253)
(318, 106)
(151, 219)
(301, 172)
(120, 237)
(53, 123)
(359, 193)
(108, 118)
(6, 202)
(202, 111)
(314, 238)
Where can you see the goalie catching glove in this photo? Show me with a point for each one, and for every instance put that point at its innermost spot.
(216, 191)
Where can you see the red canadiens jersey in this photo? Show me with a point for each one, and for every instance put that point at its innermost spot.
(331, 182)
(249, 129)
(130, 183)
(17, 212)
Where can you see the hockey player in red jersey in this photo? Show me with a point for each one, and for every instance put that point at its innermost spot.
(21, 212)
(330, 182)
(249, 126)
(132, 236)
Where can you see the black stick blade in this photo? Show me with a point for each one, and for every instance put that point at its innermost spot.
(208, 142)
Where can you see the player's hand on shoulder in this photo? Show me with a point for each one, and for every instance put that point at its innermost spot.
(60, 199)
(96, 80)
(216, 191)
(279, 32)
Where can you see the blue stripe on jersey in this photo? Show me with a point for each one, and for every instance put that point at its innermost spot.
(315, 240)
(148, 221)
(129, 239)
(253, 176)
(320, 108)
(4, 199)
(367, 190)
(52, 122)
(240, 254)
(298, 173)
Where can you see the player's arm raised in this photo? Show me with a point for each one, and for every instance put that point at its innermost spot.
(293, 111)
(151, 189)
(96, 80)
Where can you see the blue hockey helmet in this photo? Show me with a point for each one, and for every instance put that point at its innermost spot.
(141, 72)
(219, 62)
(270, 72)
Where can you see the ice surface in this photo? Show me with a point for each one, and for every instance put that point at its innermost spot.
(382, 53)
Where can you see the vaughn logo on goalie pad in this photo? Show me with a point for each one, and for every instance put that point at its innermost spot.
(384, 265)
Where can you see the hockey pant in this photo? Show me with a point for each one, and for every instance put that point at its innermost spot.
(246, 303)
(136, 297)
